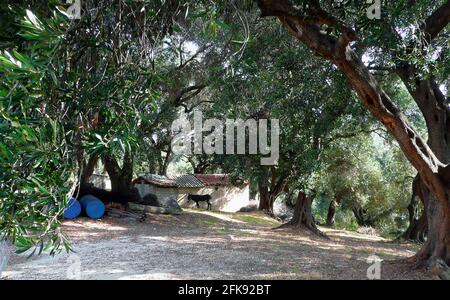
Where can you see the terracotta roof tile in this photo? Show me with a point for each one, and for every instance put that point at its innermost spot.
(188, 181)
(157, 180)
(213, 179)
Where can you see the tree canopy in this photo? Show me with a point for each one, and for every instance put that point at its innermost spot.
(362, 103)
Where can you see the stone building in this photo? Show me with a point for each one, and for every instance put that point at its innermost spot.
(225, 195)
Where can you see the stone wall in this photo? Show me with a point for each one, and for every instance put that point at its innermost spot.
(161, 193)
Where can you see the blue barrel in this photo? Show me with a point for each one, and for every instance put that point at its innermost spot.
(92, 207)
(73, 209)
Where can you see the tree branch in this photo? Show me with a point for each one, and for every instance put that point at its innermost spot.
(200, 51)
(368, 89)
(435, 23)
(193, 90)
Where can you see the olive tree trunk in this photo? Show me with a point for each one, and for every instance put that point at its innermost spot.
(306, 27)
(122, 190)
(88, 169)
(303, 217)
(267, 196)
(418, 225)
(331, 213)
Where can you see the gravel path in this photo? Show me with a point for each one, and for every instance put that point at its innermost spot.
(205, 245)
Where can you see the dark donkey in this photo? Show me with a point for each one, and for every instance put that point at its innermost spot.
(200, 198)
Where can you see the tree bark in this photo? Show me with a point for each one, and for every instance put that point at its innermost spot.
(434, 173)
(335, 202)
(265, 200)
(331, 213)
(85, 171)
(268, 196)
(88, 169)
(435, 254)
(303, 218)
(121, 178)
(418, 226)
(362, 217)
(433, 105)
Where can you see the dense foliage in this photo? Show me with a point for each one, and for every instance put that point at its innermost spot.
(37, 172)
(105, 89)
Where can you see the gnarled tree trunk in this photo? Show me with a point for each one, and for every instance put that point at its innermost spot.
(418, 225)
(121, 178)
(88, 169)
(268, 196)
(335, 202)
(85, 172)
(306, 27)
(435, 254)
(362, 217)
(265, 201)
(433, 105)
(303, 218)
(331, 213)
(122, 190)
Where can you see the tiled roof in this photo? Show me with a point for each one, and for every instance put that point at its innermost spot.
(213, 179)
(188, 181)
(157, 180)
(185, 181)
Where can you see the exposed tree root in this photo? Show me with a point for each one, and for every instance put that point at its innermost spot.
(435, 266)
(418, 226)
(312, 229)
(439, 268)
(303, 218)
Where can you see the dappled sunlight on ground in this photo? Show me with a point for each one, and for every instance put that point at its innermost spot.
(212, 245)
(222, 217)
(151, 276)
(347, 234)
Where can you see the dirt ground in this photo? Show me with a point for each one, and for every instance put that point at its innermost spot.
(210, 245)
